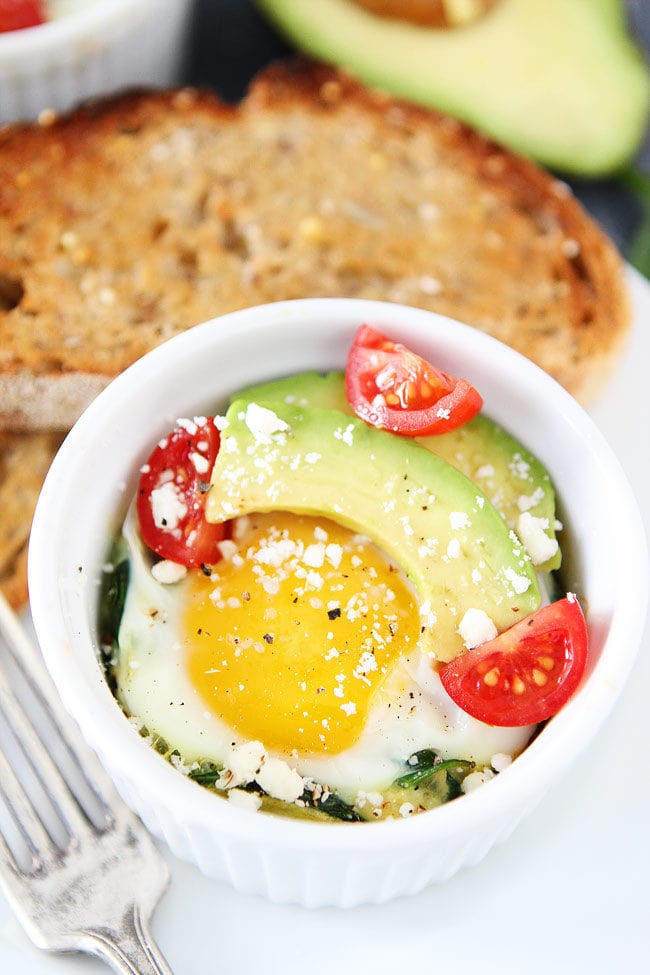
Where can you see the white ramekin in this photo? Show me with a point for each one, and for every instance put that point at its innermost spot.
(86, 493)
(99, 48)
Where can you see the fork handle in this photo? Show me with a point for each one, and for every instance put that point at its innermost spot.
(131, 950)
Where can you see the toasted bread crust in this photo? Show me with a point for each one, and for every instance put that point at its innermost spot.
(136, 218)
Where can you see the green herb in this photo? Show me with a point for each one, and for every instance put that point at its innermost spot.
(427, 764)
(206, 774)
(334, 806)
(112, 597)
(115, 584)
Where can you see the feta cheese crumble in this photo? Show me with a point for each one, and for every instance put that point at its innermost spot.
(167, 507)
(476, 627)
(532, 532)
(250, 762)
(264, 423)
(168, 572)
(279, 780)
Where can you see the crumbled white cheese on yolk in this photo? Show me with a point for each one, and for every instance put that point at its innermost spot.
(314, 555)
(476, 627)
(532, 532)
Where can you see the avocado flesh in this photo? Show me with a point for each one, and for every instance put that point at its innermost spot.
(511, 477)
(428, 517)
(558, 80)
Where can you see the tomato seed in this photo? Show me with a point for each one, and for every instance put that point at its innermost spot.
(546, 662)
(392, 399)
(518, 685)
(492, 677)
(539, 677)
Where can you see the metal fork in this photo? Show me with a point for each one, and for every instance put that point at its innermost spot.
(78, 867)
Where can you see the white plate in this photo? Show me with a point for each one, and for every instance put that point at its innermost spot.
(567, 892)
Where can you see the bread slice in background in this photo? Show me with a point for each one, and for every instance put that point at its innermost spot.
(24, 462)
(136, 218)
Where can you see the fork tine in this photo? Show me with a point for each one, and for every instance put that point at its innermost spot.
(45, 769)
(31, 666)
(25, 818)
(8, 865)
(98, 895)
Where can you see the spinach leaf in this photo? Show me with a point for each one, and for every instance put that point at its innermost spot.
(115, 584)
(206, 774)
(427, 763)
(334, 806)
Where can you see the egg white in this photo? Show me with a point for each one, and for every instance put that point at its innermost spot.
(410, 711)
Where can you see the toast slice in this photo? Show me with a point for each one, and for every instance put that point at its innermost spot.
(24, 462)
(135, 218)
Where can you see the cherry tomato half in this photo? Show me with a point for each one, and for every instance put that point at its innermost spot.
(391, 387)
(172, 491)
(527, 673)
(18, 14)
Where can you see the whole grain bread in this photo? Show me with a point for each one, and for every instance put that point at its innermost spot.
(134, 219)
(24, 461)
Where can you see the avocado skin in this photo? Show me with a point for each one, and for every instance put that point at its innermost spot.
(560, 81)
(474, 449)
(406, 499)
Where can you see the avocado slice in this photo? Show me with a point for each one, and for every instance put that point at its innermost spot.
(558, 80)
(428, 517)
(513, 479)
(324, 390)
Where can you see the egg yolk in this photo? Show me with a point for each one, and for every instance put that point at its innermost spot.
(290, 637)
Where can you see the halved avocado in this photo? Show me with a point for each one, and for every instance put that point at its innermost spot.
(428, 517)
(512, 478)
(558, 80)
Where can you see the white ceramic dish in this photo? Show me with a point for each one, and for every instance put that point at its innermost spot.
(96, 48)
(90, 482)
